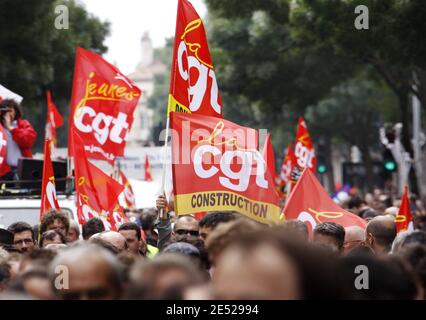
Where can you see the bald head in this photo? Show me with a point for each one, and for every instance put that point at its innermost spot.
(114, 238)
(354, 237)
(186, 227)
(380, 233)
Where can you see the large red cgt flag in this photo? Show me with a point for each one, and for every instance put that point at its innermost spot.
(304, 150)
(403, 219)
(310, 203)
(97, 193)
(217, 166)
(48, 188)
(102, 106)
(53, 119)
(269, 156)
(193, 85)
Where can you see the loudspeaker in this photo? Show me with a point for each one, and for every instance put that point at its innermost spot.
(31, 171)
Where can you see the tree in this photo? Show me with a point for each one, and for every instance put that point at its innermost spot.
(35, 56)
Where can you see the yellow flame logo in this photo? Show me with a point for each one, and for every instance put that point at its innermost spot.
(194, 47)
(326, 214)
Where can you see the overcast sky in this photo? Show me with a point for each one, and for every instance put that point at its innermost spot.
(130, 19)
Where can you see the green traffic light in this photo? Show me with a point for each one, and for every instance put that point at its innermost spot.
(390, 165)
(322, 168)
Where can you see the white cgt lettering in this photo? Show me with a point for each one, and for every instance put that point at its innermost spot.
(51, 194)
(103, 126)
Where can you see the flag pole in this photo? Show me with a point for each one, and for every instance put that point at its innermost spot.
(162, 212)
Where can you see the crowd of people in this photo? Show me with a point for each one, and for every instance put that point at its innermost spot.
(222, 256)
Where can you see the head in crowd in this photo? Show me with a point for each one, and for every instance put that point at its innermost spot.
(397, 242)
(185, 228)
(55, 220)
(329, 234)
(354, 237)
(14, 109)
(296, 228)
(132, 234)
(52, 236)
(34, 284)
(6, 241)
(356, 205)
(167, 276)
(36, 259)
(95, 239)
(417, 236)
(4, 274)
(368, 214)
(74, 232)
(91, 227)
(14, 260)
(380, 278)
(380, 233)
(419, 220)
(93, 273)
(114, 238)
(273, 265)
(212, 219)
(147, 220)
(415, 255)
(23, 236)
(227, 233)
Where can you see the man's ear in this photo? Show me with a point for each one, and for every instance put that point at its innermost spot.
(370, 239)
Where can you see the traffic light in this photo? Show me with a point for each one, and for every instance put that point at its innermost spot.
(321, 165)
(389, 161)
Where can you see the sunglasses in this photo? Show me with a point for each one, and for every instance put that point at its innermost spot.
(182, 232)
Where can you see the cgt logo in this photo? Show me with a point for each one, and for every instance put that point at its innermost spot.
(104, 126)
(228, 178)
(304, 155)
(189, 65)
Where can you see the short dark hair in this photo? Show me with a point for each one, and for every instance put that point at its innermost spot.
(355, 202)
(148, 218)
(12, 104)
(213, 218)
(415, 237)
(131, 226)
(50, 217)
(50, 235)
(21, 226)
(332, 229)
(91, 227)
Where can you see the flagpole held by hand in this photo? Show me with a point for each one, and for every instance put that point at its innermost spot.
(162, 212)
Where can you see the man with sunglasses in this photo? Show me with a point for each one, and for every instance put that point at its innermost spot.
(23, 236)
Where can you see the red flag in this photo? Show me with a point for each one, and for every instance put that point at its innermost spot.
(304, 149)
(193, 85)
(4, 167)
(310, 203)
(102, 106)
(148, 176)
(97, 193)
(217, 166)
(53, 119)
(403, 219)
(287, 166)
(268, 155)
(48, 188)
(129, 195)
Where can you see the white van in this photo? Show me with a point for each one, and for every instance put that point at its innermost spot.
(28, 210)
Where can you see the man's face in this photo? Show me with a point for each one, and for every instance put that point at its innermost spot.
(57, 225)
(88, 280)
(204, 232)
(326, 241)
(186, 227)
(72, 235)
(55, 240)
(23, 241)
(133, 243)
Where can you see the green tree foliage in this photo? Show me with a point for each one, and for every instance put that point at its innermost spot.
(35, 56)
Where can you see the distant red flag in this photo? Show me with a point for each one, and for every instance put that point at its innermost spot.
(304, 149)
(148, 176)
(403, 219)
(53, 119)
(287, 166)
(310, 203)
(129, 195)
(97, 193)
(48, 189)
(268, 156)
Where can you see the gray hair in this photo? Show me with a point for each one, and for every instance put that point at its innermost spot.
(399, 239)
